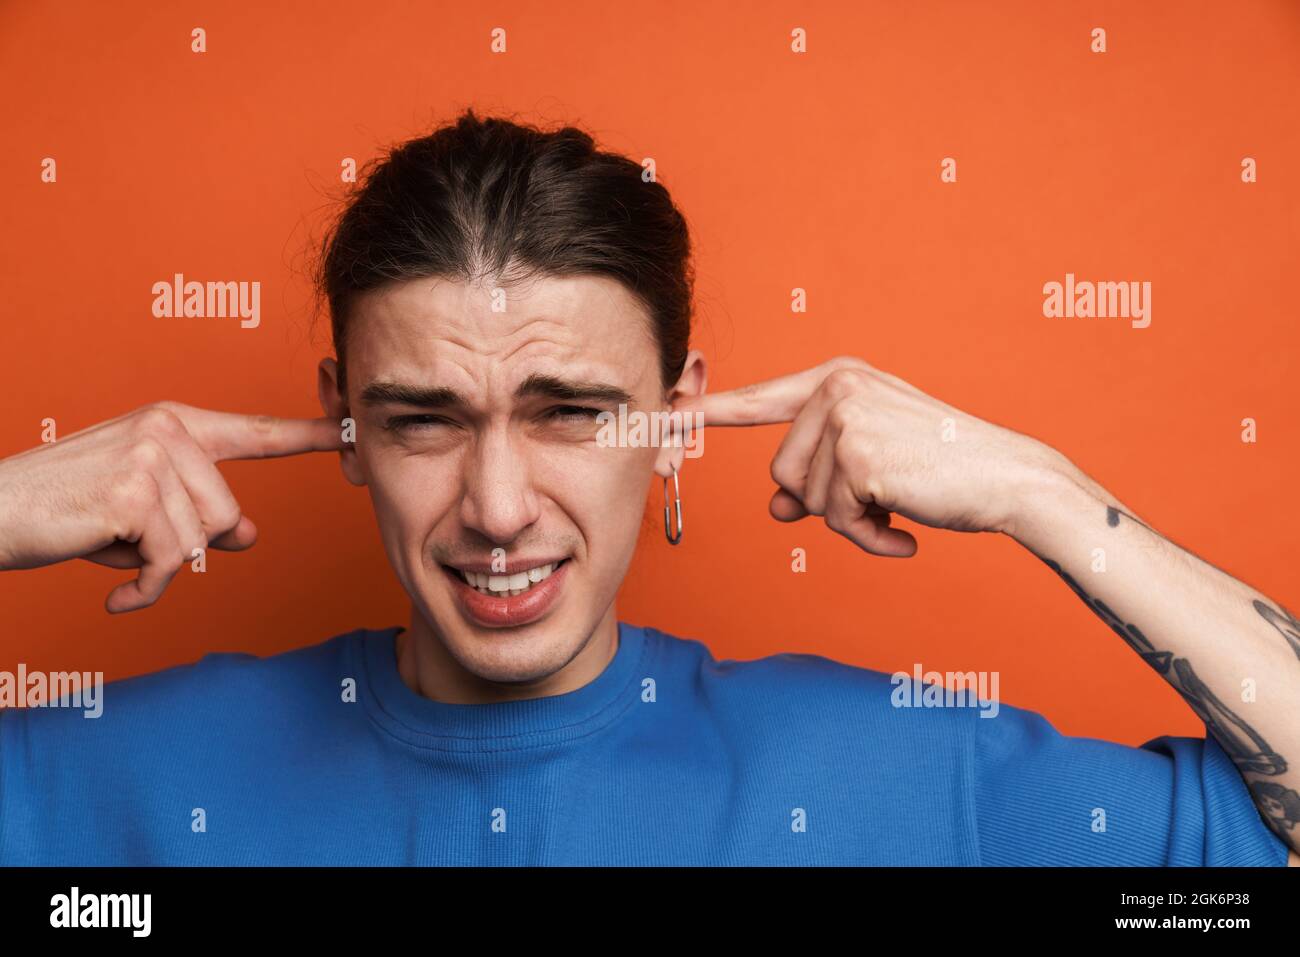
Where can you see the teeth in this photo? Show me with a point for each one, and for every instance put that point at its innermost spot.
(500, 586)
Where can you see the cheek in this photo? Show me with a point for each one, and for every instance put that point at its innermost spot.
(411, 494)
(604, 493)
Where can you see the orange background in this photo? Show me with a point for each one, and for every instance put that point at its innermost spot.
(819, 171)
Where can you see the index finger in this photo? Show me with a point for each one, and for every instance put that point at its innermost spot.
(762, 403)
(230, 435)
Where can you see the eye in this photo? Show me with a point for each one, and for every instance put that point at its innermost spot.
(573, 413)
(419, 422)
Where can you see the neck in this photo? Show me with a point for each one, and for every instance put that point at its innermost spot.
(430, 670)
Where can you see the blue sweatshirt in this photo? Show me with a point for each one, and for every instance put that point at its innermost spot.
(668, 757)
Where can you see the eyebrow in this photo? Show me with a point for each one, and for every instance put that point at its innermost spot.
(536, 385)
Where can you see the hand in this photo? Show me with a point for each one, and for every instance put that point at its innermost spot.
(141, 491)
(864, 444)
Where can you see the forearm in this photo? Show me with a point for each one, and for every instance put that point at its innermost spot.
(1230, 651)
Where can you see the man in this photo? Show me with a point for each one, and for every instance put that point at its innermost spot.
(494, 292)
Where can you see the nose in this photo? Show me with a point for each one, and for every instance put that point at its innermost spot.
(499, 501)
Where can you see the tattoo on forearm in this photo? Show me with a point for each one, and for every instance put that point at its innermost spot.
(1285, 623)
(1112, 519)
(1279, 805)
(1159, 660)
(1250, 755)
(1113, 514)
(1255, 756)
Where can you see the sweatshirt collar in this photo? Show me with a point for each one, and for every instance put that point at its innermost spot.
(499, 726)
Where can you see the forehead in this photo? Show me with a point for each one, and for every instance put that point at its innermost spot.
(482, 337)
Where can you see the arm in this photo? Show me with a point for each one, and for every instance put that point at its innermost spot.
(1229, 650)
(864, 445)
(141, 491)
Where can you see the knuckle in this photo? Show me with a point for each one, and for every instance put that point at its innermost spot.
(262, 429)
(846, 413)
(848, 443)
(136, 486)
(839, 416)
(159, 419)
(844, 382)
(147, 454)
(781, 473)
(227, 516)
(849, 364)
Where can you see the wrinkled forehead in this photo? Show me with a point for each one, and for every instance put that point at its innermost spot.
(485, 340)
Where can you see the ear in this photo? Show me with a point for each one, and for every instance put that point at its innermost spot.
(692, 383)
(335, 406)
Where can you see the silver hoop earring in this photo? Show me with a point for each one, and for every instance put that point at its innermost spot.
(677, 500)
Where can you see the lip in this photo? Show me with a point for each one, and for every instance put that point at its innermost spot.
(511, 610)
(513, 567)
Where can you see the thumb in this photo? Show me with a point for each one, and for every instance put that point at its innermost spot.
(785, 507)
(872, 534)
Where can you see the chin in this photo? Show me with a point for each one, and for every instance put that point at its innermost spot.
(505, 630)
(520, 655)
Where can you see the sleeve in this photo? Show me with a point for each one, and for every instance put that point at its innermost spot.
(6, 784)
(1042, 798)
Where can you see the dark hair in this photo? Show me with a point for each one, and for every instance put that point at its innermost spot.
(488, 197)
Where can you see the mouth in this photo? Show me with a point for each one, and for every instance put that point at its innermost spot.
(502, 600)
(500, 585)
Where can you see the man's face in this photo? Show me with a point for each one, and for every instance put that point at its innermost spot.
(477, 437)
